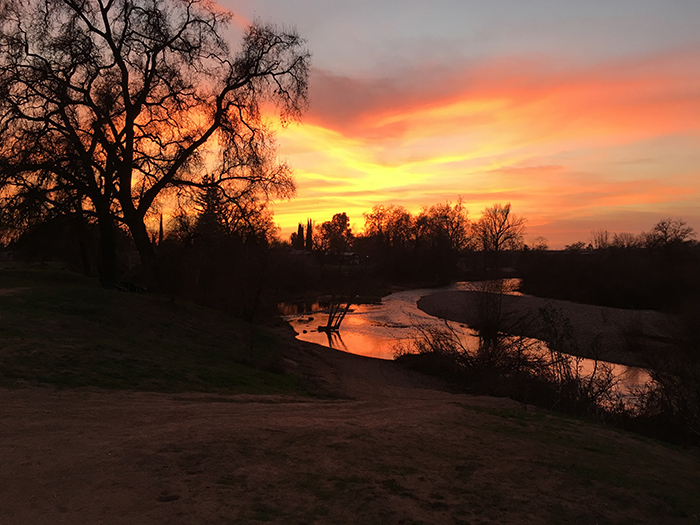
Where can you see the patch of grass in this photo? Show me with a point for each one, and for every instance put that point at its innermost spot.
(349, 482)
(396, 470)
(232, 481)
(623, 469)
(265, 513)
(61, 329)
(394, 487)
(663, 497)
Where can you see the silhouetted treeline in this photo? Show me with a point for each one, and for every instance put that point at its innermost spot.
(228, 254)
(435, 246)
(658, 270)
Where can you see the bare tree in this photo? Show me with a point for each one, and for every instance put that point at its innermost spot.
(118, 102)
(626, 240)
(601, 239)
(498, 229)
(540, 244)
(669, 232)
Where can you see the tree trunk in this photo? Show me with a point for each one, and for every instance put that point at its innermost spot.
(83, 240)
(146, 251)
(108, 250)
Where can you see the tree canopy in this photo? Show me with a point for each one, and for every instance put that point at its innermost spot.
(335, 236)
(669, 232)
(110, 105)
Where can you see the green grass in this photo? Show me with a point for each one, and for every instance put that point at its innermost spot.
(61, 329)
(622, 469)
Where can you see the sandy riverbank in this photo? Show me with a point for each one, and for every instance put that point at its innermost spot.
(611, 334)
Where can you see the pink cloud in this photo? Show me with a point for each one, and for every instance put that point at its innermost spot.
(659, 94)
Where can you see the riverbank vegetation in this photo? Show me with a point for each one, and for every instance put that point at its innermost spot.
(548, 372)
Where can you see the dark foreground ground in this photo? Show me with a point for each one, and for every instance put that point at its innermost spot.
(390, 447)
(121, 408)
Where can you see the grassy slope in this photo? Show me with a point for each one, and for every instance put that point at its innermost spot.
(61, 329)
(492, 466)
(597, 474)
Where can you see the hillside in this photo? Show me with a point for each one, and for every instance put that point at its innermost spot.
(63, 330)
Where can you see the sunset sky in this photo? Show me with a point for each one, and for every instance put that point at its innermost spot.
(583, 115)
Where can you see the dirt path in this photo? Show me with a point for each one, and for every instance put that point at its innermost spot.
(393, 447)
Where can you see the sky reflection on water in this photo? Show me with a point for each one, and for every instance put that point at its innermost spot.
(374, 330)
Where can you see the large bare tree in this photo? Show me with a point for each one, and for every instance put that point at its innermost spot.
(498, 229)
(118, 102)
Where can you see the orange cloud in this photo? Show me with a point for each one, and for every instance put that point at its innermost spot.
(617, 95)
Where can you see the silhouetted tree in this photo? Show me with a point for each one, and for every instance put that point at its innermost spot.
(390, 226)
(669, 232)
(309, 245)
(389, 241)
(600, 239)
(297, 238)
(117, 102)
(442, 231)
(28, 208)
(626, 240)
(577, 246)
(251, 220)
(446, 226)
(246, 219)
(540, 244)
(422, 247)
(210, 208)
(335, 235)
(498, 229)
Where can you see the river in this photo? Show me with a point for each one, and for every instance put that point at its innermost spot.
(377, 330)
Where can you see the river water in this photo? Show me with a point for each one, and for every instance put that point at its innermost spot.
(377, 330)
